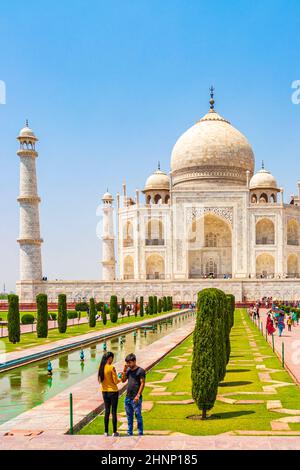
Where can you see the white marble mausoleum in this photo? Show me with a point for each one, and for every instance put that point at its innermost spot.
(210, 221)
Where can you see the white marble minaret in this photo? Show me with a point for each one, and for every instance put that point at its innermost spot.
(108, 237)
(29, 237)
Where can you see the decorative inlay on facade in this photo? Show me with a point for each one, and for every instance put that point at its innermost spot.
(197, 212)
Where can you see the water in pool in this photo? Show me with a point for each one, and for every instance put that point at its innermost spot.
(27, 386)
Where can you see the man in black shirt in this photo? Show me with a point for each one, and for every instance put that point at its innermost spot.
(133, 401)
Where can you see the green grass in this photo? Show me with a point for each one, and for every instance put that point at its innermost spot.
(29, 340)
(223, 417)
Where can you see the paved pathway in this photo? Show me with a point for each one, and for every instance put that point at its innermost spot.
(163, 443)
(47, 347)
(291, 342)
(53, 415)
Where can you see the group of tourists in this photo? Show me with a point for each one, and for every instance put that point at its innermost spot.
(109, 380)
(277, 319)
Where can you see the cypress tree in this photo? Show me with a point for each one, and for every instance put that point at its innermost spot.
(114, 309)
(205, 370)
(92, 315)
(136, 307)
(62, 317)
(171, 303)
(155, 304)
(165, 304)
(13, 319)
(150, 305)
(221, 333)
(123, 307)
(141, 306)
(42, 315)
(227, 328)
(159, 306)
(104, 316)
(232, 309)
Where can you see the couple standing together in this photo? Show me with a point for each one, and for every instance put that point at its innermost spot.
(109, 380)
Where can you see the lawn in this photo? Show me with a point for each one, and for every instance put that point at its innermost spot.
(29, 340)
(242, 376)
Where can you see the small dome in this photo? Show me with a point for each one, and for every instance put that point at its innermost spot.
(107, 197)
(263, 179)
(158, 180)
(27, 132)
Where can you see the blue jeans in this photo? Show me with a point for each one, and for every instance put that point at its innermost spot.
(132, 409)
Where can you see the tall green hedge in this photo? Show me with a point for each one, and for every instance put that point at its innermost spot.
(62, 317)
(42, 315)
(13, 319)
(92, 315)
(114, 309)
(154, 304)
(159, 306)
(205, 365)
(165, 304)
(141, 306)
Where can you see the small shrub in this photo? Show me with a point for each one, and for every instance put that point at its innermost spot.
(27, 319)
(72, 314)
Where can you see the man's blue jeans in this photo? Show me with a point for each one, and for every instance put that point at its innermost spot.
(132, 409)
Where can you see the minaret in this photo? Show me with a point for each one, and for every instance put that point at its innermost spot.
(108, 239)
(29, 238)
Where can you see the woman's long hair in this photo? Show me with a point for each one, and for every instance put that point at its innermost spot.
(103, 362)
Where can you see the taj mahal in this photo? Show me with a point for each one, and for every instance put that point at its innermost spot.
(209, 222)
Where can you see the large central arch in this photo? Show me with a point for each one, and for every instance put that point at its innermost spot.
(209, 247)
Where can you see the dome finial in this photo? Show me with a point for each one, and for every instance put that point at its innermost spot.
(212, 101)
(158, 165)
(26, 123)
(262, 165)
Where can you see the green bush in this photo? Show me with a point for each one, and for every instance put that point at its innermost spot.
(141, 306)
(165, 304)
(52, 316)
(114, 309)
(154, 304)
(205, 369)
(221, 332)
(159, 306)
(62, 317)
(150, 305)
(42, 315)
(13, 319)
(27, 319)
(82, 307)
(72, 314)
(136, 307)
(92, 315)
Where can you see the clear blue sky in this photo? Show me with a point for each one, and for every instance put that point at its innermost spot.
(108, 87)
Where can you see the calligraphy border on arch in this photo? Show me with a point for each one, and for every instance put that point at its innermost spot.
(223, 212)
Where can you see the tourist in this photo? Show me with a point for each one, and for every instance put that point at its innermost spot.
(281, 324)
(108, 378)
(289, 322)
(270, 325)
(294, 317)
(133, 401)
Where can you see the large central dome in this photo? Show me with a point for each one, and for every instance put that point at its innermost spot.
(211, 151)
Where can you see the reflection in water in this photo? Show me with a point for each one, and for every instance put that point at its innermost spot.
(28, 386)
